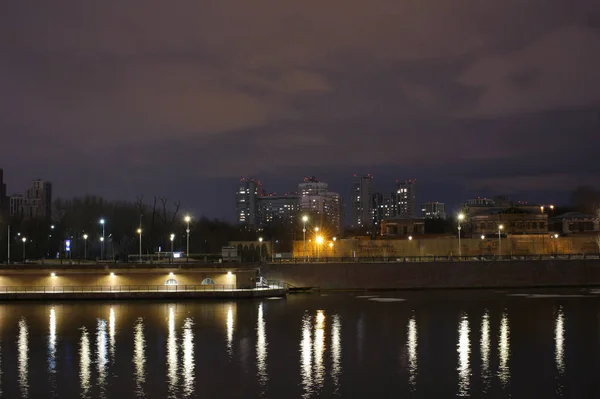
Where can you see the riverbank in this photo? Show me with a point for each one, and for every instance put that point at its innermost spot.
(438, 275)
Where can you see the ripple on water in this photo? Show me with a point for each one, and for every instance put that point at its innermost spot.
(387, 299)
(367, 296)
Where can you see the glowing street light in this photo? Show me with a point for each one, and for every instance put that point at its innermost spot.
(102, 222)
(319, 241)
(172, 237)
(24, 241)
(461, 217)
(409, 238)
(85, 237)
(500, 227)
(139, 231)
(304, 220)
(187, 219)
(260, 240)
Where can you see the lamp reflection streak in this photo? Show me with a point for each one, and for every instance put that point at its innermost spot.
(464, 351)
(411, 346)
(52, 353)
(336, 352)
(84, 363)
(101, 352)
(52, 343)
(188, 357)
(306, 357)
(111, 333)
(139, 357)
(23, 357)
(319, 350)
(559, 341)
(172, 366)
(230, 330)
(504, 351)
(484, 345)
(261, 348)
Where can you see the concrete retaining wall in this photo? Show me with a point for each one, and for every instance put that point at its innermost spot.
(438, 275)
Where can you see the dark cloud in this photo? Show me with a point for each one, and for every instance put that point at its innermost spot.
(119, 98)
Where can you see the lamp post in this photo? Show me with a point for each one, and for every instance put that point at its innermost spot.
(500, 227)
(187, 230)
(172, 237)
(102, 222)
(304, 220)
(85, 237)
(24, 241)
(555, 244)
(461, 217)
(319, 241)
(139, 231)
(8, 245)
(260, 240)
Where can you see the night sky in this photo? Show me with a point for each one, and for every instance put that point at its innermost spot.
(180, 99)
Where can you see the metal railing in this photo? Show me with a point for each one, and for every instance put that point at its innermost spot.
(436, 258)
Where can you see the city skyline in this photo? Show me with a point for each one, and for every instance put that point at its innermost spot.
(457, 99)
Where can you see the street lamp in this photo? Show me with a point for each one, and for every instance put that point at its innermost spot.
(24, 241)
(260, 240)
(187, 230)
(319, 241)
(102, 240)
(172, 238)
(409, 238)
(139, 231)
(461, 217)
(304, 220)
(85, 237)
(500, 227)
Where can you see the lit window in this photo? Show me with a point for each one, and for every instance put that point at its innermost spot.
(208, 281)
(171, 281)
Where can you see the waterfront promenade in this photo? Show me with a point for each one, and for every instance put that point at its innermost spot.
(134, 281)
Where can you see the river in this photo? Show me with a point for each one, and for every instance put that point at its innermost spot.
(420, 344)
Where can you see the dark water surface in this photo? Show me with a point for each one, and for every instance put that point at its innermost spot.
(432, 344)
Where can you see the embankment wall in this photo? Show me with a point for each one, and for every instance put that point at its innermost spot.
(492, 274)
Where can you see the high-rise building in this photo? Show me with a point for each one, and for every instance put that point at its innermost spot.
(315, 198)
(385, 206)
(433, 210)
(35, 204)
(362, 201)
(278, 209)
(407, 198)
(247, 195)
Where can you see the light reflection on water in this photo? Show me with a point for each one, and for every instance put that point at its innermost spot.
(464, 351)
(411, 345)
(484, 345)
(52, 352)
(504, 351)
(336, 352)
(559, 341)
(111, 333)
(43, 350)
(139, 358)
(172, 363)
(85, 363)
(101, 355)
(306, 356)
(261, 348)
(230, 330)
(188, 357)
(319, 350)
(23, 362)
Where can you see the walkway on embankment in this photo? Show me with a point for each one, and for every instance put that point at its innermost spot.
(137, 292)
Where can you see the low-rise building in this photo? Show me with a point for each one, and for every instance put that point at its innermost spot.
(402, 227)
(575, 223)
(514, 220)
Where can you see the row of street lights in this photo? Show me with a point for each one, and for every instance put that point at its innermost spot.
(102, 221)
